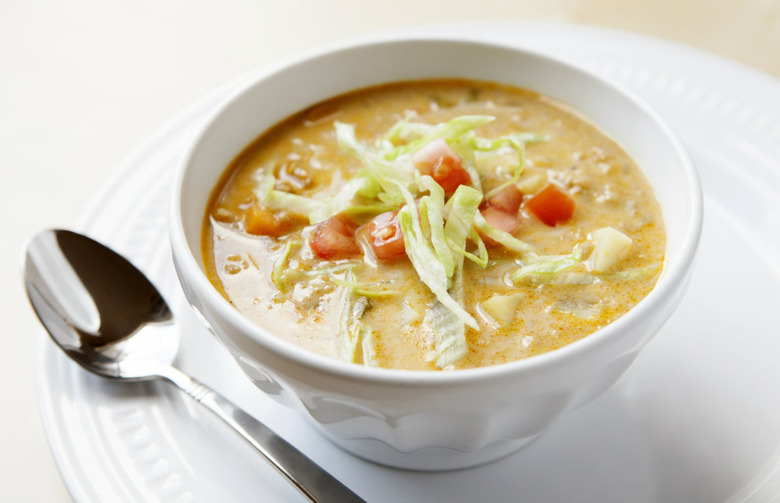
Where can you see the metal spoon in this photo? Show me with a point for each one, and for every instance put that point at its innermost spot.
(107, 316)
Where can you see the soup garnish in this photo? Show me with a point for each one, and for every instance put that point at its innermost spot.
(434, 225)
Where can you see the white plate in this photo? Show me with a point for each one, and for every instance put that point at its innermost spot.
(696, 419)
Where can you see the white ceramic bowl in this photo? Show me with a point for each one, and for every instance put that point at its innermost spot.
(418, 419)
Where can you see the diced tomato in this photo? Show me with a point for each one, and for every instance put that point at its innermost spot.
(551, 206)
(449, 176)
(438, 160)
(507, 200)
(262, 221)
(501, 220)
(385, 237)
(431, 152)
(333, 239)
(500, 211)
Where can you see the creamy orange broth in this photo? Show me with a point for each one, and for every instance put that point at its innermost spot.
(606, 185)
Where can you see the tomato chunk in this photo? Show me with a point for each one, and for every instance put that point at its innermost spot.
(501, 220)
(551, 206)
(385, 237)
(438, 160)
(333, 240)
(507, 200)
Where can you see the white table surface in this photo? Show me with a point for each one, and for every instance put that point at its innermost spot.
(84, 82)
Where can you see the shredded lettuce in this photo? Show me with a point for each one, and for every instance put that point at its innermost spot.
(363, 185)
(463, 207)
(357, 210)
(345, 135)
(469, 145)
(449, 335)
(280, 265)
(351, 327)
(448, 324)
(432, 220)
(514, 140)
(429, 268)
(579, 277)
(280, 200)
(368, 347)
(281, 275)
(405, 131)
(469, 162)
(450, 131)
(393, 178)
(440, 260)
(265, 184)
(364, 289)
(480, 258)
(354, 333)
(519, 147)
(560, 278)
(331, 269)
(631, 274)
(539, 265)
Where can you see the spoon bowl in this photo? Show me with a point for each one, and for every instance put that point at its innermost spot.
(110, 319)
(98, 307)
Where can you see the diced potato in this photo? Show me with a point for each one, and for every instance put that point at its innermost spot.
(533, 183)
(409, 314)
(502, 308)
(610, 247)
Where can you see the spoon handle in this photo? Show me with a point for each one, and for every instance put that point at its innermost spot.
(312, 480)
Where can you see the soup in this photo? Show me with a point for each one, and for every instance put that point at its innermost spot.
(433, 225)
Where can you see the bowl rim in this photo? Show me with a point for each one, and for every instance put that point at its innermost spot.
(671, 278)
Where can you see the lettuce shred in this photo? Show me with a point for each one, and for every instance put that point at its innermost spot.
(275, 199)
(353, 331)
(280, 265)
(546, 265)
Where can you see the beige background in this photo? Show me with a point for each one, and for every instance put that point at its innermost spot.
(84, 82)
